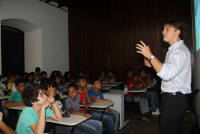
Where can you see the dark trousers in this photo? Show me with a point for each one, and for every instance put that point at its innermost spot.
(173, 110)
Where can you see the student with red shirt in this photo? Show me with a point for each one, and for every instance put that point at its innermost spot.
(96, 115)
(144, 107)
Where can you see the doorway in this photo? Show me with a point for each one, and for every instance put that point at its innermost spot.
(12, 50)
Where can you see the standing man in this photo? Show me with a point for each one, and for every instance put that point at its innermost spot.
(175, 73)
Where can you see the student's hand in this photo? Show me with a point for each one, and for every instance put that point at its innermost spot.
(1, 116)
(51, 91)
(51, 99)
(87, 88)
(88, 106)
(46, 104)
(80, 124)
(87, 116)
(140, 79)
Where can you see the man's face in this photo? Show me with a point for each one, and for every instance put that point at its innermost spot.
(135, 78)
(130, 74)
(21, 87)
(97, 85)
(142, 73)
(82, 83)
(44, 75)
(41, 97)
(38, 72)
(57, 80)
(72, 92)
(103, 74)
(30, 78)
(12, 78)
(170, 34)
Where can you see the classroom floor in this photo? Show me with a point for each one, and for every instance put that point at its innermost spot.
(152, 127)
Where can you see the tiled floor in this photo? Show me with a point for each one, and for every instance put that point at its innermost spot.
(152, 127)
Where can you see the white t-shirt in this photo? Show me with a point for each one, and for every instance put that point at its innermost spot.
(14, 89)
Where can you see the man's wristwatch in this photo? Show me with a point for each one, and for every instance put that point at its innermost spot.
(152, 57)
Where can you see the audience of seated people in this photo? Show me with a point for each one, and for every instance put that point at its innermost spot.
(39, 97)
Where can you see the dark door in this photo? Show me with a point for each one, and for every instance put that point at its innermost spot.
(12, 50)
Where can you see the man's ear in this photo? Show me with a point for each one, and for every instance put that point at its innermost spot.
(178, 32)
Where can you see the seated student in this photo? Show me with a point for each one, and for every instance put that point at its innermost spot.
(43, 75)
(47, 82)
(144, 106)
(96, 95)
(33, 117)
(10, 85)
(4, 110)
(24, 76)
(102, 78)
(60, 75)
(72, 105)
(85, 98)
(6, 79)
(151, 95)
(13, 87)
(66, 79)
(147, 80)
(60, 88)
(53, 74)
(87, 77)
(111, 77)
(15, 98)
(37, 73)
(29, 80)
(4, 128)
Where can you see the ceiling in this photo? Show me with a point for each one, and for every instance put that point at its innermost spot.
(67, 3)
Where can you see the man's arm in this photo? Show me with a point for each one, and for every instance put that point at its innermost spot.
(4, 128)
(99, 100)
(40, 126)
(13, 104)
(72, 111)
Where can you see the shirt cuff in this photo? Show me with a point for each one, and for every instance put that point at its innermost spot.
(162, 72)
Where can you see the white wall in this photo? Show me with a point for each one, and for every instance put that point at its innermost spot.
(53, 25)
(33, 50)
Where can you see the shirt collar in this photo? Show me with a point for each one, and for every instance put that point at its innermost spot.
(176, 45)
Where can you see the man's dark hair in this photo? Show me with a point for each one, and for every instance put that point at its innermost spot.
(109, 71)
(43, 72)
(79, 78)
(134, 75)
(94, 80)
(37, 69)
(17, 74)
(178, 25)
(18, 81)
(30, 94)
(72, 85)
(141, 70)
(101, 71)
(12, 75)
(47, 82)
(128, 70)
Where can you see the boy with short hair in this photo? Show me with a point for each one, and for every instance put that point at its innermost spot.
(144, 106)
(37, 73)
(138, 82)
(85, 98)
(72, 104)
(43, 75)
(13, 87)
(33, 117)
(96, 95)
(15, 98)
(10, 85)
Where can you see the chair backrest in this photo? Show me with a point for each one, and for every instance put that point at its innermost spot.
(197, 107)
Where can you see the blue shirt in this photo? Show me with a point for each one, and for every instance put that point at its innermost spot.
(176, 70)
(99, 96)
